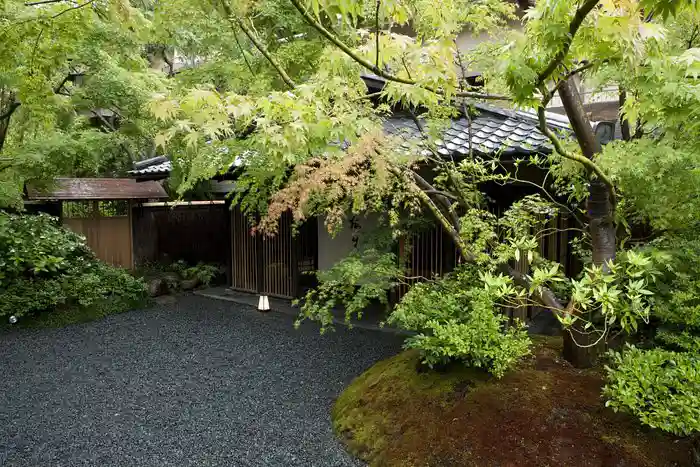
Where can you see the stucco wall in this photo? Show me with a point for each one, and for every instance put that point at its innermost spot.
(331, 249)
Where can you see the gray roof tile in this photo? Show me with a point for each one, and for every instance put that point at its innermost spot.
(493, 131)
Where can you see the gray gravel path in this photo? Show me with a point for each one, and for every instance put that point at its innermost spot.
(198, 382)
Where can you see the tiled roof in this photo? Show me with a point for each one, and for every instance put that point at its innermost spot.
(493, 131)
(97, 189)
(162, 168)
(152, 167)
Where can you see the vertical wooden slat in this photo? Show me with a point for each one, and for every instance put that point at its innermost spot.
(564, 243)
(553, 224)
(129, 213)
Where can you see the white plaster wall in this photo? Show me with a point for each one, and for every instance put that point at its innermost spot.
(332, 249)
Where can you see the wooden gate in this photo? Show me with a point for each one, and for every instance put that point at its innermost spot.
(271, 265)
(106, 225)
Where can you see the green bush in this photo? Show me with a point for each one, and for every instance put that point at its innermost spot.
(660, 384)
(202, 272)
(46, 268)
(660, 387)
(456, 320)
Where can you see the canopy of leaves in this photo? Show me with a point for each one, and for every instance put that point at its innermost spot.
(70, 75)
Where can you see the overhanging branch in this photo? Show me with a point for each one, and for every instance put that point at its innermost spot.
(375, 68)
(587, 163)
(574, 26)
(258, 45)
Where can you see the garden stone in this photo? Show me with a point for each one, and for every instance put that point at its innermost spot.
(189, 284)
(155, 287)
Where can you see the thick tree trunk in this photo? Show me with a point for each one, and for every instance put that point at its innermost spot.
(6, 112)
(601, 214)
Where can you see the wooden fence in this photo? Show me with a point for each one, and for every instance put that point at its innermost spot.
(106, 226)
(272, 265)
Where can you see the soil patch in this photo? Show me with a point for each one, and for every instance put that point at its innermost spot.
(544, 414)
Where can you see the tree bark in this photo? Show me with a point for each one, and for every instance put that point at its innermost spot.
(600, 208)
(5, 122)
(624, 122)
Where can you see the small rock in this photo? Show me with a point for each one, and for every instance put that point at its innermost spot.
(155, 287)
(188, 284)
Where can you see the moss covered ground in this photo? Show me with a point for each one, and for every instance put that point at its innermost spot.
(544, 414)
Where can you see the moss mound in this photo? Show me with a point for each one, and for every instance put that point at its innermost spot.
(544, 414)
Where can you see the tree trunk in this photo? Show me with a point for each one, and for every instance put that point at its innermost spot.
(5, 116)
(601, 214)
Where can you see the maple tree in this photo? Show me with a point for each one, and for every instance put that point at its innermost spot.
(74, 81)
(276, 87)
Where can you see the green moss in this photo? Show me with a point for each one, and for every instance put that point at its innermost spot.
(387, 385)
(545, 413)
(75, 315)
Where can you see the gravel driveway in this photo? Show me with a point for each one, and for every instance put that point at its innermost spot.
(199, 382)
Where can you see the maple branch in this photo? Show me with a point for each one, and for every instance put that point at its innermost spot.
(10, 110)
(245, 58)
(586, 162)
(44, 2)
(547, 96)
(258, 45)
(376, 33)
(574, 26)
(624, 121)
(77, 7)
(374, 68)
(58, 87)
(442, 197)
(693, 36)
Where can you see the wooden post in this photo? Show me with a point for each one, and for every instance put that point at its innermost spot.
(131, 235)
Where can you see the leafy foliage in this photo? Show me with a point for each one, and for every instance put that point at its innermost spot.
(201, 272)
(74, 81)
(46, 268)
(355, 282)
(457, 320)
(661, 388)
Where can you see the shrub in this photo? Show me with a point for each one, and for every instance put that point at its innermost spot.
(683, 341)
(458, 321)
(46, 268)
(660, 387)
(203, 273)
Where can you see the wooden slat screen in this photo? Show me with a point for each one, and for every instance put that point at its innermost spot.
(432, 253)
(244, 251)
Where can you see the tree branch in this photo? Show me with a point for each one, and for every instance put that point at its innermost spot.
(574, 26)
(43, 2)
(564, 78)
(693, 35)
(440, 196)
(245, 58)
(589, 164)
(542, 294)
(374, 68)
(58, 87)
(258, 45)
(10, 110)
(624, 122)
(376, 19)
(77, 7)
